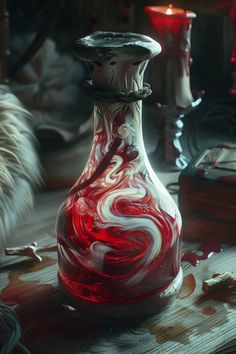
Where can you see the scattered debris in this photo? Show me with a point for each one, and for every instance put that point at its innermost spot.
(219, 281)
(31, 250)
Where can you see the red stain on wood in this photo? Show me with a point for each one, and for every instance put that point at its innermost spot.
(23, 292)
(178, 333)
(209, 310)
(49, 326)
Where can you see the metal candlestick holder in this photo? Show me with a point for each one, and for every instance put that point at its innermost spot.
(170, 80)
(169, 153)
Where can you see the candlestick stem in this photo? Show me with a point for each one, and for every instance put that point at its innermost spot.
(169, 153)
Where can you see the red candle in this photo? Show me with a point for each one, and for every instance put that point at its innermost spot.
(229, 8)
(172, 29)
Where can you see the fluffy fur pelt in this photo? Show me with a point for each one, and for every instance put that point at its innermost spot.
(19, 164)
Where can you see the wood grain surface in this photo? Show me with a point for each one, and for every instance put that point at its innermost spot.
(195, 323)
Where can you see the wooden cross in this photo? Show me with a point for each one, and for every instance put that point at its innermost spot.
(31, 250)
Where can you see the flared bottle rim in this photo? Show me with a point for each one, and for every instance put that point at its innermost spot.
(103, 46)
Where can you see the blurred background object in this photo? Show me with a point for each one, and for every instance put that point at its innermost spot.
(229, 8)
(4, 42)
(19, 164)
(20, 170)
(207, 195)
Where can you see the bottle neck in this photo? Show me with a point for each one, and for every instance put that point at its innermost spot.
(115, 119)
(118, 122)
(120, 76)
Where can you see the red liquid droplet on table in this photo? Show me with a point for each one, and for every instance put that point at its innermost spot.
(207, 248)
(209, 310)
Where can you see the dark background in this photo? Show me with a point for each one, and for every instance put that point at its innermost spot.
(211, 31)
(66, 20)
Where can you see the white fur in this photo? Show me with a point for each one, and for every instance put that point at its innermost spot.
(19, 164)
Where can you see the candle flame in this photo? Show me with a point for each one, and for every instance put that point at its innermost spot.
(169, 11)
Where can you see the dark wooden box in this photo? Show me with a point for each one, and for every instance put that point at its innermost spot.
(207, 196)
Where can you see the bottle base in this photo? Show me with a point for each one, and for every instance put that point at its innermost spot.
(151, 306)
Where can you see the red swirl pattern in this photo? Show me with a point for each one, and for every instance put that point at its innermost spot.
(118, 229)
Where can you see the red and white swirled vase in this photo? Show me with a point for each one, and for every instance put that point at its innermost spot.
(118, 228)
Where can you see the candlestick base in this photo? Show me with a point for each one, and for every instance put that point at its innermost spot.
(169, 153)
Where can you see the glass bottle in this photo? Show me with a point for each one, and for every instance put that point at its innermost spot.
(118, 229)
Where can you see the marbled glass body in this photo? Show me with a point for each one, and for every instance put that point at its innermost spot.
(118, 229)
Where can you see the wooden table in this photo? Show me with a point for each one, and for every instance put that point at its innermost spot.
(195, 323)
